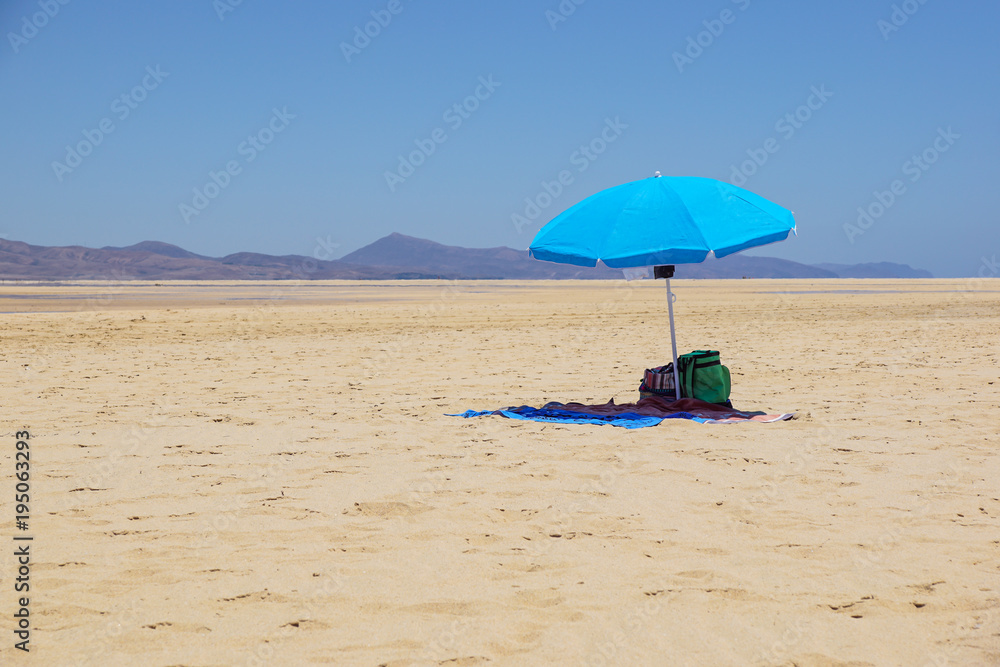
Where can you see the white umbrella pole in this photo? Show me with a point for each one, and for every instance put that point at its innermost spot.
(673, 340)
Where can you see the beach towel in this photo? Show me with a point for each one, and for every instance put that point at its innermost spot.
(646, 412)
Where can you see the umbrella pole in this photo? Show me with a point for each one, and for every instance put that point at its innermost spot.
(673, 340)
(668, 273)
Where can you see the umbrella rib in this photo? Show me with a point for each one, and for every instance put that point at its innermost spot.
(761, 210)
(793, 229)
(694, 225)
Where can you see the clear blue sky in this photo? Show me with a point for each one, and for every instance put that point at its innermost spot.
(888, 95)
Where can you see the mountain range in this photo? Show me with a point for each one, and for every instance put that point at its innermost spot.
(394, 257)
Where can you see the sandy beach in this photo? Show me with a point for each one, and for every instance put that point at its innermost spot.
(263, 473)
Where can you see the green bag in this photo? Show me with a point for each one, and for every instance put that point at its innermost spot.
(703, 376)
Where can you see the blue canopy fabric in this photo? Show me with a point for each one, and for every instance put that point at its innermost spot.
(661, 220)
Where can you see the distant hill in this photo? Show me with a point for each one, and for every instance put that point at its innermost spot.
(399, 250)
(394, 257)
(746, 266)
(160, 248)
(876, 270)
(147, 261)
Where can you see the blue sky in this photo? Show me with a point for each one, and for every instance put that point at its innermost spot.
(297, 137)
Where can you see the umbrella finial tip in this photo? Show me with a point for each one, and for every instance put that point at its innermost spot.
(656, 174)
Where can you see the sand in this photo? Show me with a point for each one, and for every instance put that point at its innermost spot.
(246, 474)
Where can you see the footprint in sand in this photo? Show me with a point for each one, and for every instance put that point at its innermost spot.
(389, 509)
(447, 608)
(539, 598)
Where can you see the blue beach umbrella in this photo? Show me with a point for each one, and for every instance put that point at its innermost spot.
(662, 222)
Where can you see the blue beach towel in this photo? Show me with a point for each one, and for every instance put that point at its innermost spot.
(647, 412)
(624, 420)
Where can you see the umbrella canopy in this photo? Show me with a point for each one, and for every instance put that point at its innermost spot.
(661, 221)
